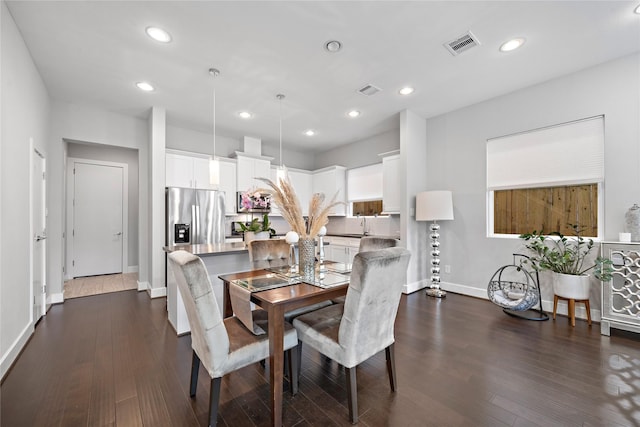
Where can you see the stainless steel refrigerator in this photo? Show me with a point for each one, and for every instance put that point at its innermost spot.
(194, 216)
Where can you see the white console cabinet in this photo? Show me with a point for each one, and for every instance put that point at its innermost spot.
(621, 295)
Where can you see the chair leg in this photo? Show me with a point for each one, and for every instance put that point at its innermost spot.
(391, 367)
(586, 303)
(299, 351)
(195, 367)
(555, 306)
(352, 394)
(214, 399)
(293, 369)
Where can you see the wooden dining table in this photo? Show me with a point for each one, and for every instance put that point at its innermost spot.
(276, 302)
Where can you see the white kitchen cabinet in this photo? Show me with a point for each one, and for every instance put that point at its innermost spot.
(391, 184)
(330, 181)
(341, 249)
(228, 185)
(250, 168)
(187, 171)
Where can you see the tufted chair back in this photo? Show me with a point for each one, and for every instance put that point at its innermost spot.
(268, 253)
(369, 243)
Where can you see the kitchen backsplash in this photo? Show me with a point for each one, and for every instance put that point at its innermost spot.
(381, 226)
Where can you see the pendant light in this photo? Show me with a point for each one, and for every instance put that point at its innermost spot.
(214, 163)
(281, 172)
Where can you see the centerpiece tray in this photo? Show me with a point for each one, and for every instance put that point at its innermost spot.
(265, 282)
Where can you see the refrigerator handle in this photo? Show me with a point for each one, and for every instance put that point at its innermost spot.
(198, 222)
(194, 224)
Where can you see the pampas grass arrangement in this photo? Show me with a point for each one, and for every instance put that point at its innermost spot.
(284, 196)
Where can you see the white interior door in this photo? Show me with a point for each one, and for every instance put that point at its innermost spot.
(38, 227)
(97, 219)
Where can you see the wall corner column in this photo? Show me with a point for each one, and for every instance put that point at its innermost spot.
(157, 135)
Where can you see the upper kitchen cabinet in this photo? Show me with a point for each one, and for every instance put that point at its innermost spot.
(228, 185)
(187, 171)
(249, 168)
(330, 181)
(391, 184)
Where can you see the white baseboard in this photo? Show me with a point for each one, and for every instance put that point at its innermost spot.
(581, 311)
(409, 288)
(132, 269)
(14, 349)
(142, 286)
(57, 298)
(157, 292)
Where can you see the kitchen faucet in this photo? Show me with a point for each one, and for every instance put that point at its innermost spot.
(363, 223)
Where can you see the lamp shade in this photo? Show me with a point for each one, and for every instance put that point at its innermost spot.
(434, 206)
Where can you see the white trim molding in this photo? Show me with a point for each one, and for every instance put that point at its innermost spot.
(57, 298)
(14, 349)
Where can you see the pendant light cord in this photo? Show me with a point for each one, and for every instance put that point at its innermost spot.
(280, 98)
(214, 72)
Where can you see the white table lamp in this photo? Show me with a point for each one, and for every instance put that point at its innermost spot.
(434, 206)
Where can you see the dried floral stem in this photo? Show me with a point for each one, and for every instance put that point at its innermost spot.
(284, 196)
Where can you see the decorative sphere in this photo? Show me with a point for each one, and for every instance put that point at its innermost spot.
(435, 252)
(435, 261)
(323, 231)
(292, 237)
(435, 270)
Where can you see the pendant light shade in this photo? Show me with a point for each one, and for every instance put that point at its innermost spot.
(214, 163)
(281, 172)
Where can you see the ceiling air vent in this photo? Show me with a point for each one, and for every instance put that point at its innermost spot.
(459, 45)
(369, 90)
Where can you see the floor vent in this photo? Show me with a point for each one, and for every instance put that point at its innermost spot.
(369, 90)
(459, 45)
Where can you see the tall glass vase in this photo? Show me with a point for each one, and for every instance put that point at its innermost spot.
(306, 258)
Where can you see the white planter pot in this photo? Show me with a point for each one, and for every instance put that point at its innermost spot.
(260, 235)
(571, 286)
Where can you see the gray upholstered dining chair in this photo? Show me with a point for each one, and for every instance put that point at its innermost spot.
(275, 253)
(222, 345)
(352, 332)
(371, 243)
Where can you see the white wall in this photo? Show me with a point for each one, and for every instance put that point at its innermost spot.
(456, 161)
(130, 158)
(25, 114)
(73, 123)
(360, 153)
(201, 142)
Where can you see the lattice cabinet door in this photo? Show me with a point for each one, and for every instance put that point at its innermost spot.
(621, 295)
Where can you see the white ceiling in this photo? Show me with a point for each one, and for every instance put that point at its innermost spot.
(92, 52)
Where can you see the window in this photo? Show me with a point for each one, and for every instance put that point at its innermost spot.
(547, 179)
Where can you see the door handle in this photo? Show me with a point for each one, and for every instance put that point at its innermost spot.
(119, 233)
(39, 237)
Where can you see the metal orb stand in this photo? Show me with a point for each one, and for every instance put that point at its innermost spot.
(434, 289)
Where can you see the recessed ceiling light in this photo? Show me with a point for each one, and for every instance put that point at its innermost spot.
(333, 46)
(353, 113)
(144, 86)
(637, 10)
(158, 34)
(310, 132)
(245, 114)
(406, 90)
(512, 44)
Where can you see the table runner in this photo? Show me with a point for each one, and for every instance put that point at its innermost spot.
(241, 305)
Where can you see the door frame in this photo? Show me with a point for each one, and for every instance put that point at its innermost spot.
(32, 294)
(71, 163)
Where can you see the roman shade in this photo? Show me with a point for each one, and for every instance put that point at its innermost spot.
(364, 183)
(567, 154)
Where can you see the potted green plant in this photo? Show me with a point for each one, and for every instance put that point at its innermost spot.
(567, 258)
(256, 230)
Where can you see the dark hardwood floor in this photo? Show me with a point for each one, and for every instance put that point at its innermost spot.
(114, 360)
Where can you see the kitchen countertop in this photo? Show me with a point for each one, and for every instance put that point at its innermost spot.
(218, 249)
